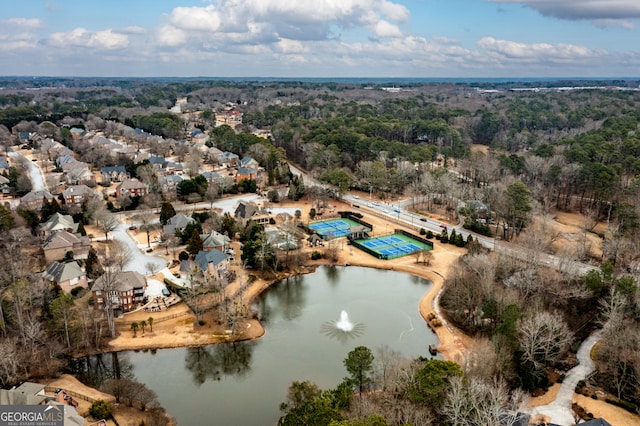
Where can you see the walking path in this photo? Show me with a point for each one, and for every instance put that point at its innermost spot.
(559, 411)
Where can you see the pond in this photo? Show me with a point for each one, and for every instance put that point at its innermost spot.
(244, 383)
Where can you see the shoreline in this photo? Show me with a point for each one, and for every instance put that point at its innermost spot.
(452, 343)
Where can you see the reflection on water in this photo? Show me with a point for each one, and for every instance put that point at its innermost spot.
(332, 273)
(94, 370)
(213, 362)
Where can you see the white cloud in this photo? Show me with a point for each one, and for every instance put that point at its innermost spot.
(80, 37)
(15, 42)
(264, 20)
(168, 35)
(593, 10)
(537, 52)
(386, 29)
(22, 23)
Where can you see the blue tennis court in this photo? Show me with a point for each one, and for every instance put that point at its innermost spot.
(334, 228)
(393, 246)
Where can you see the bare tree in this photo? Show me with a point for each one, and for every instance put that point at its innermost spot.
(118, 255)
(478, 402)
(107, 222)
(543, 338)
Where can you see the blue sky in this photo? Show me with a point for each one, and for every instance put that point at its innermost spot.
(321, 38)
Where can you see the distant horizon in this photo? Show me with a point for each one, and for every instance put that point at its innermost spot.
(352, 79)
(402, 38)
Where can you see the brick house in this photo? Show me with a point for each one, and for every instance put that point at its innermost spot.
(125, 290)
(132, 187)
(77, 194)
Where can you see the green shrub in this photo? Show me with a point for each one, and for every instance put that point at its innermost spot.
(316, 255)
(422, 231)
(629, 406)
(100, 410)
(76, 290)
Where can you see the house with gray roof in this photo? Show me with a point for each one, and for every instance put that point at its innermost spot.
(64, 159)
(33, 394)
(57, 222)
(77, 194)
(68, 275)
(246, 211)
(78, 173)
(249, 162)
(169, 183)
(35, 199)
(215, 240)
(177, 223)
(229, 159)
(114, 174)
(215, 262)
(59, 243)
(4, 185)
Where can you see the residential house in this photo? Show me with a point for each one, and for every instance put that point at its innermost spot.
(67, 275)
(5, 189)
(177, 223)
(124, 289)
(78, 173)
(34, 395)
(114, 174)
(77, 133)
(215, 178)
(213, 262)
(35, 199)
(77, 194)
(249, 162)
(214, 154)
(157, 163)
(246, 173)
(169, 183)
(172, 168)
(59, 243)
(132, 187)
(64, 159)
(215, 240)
(57, 222)
(246, 211)
(229, 159)
(4, 165)
(230, 116)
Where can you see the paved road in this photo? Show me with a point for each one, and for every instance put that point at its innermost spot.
(35, 174)
(560, 410)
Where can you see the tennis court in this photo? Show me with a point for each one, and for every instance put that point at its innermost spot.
(392, 246)
(334, 228)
